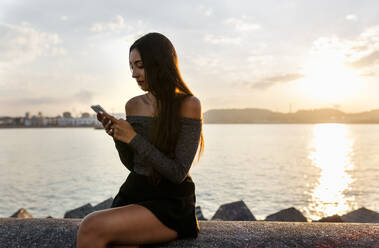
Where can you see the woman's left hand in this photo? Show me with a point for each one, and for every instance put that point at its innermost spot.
(122, 130)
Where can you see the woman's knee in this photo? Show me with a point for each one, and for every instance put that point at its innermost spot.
(90, 232)
(91, 226)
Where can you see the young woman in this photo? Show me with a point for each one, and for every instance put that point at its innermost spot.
(157, 142)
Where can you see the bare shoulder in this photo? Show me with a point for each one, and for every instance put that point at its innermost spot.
(191, 108)
(133, 105)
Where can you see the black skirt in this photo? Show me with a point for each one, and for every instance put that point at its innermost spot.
(173, 204)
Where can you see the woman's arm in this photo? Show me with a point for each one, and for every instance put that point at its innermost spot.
(125, 153)
(175, 169)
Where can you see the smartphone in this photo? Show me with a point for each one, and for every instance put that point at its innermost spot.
(97, 108)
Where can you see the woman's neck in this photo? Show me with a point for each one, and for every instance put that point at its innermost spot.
(151, 99)
(151, 102)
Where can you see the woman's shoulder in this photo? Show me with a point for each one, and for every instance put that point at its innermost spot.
(191, 108)
(134, 105)
(134, 100)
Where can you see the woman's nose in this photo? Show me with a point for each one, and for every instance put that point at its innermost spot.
(134, 74)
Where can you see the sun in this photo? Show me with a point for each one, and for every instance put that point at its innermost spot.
(327, 78)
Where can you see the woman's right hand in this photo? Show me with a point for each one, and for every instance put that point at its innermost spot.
(106, 122)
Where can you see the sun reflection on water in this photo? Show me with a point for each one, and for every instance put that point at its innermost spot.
(331, 151)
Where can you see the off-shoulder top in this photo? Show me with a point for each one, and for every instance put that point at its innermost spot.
(139, 155)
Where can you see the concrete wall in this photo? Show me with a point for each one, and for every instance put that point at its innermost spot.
(58, 233)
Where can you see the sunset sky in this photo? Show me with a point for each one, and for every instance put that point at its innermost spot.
(60, 56)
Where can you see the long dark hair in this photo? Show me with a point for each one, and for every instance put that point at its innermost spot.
(167, 85)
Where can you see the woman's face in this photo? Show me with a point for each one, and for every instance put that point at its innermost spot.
(137, 68)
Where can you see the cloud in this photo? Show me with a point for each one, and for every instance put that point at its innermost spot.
(360, 48)
(371, 34)
(371, 59)
(277, 79)
(351, 17)
(331, 45)
(202, 61)
(368, 74)
(220, 39)
(83, 96)
(365, 50)
(242, 24)
(33, 101)
(23, 43)
(208, 12)
(205, 11)
(261, 60)
(361, 52)
(64, 18)
(116, 24)
(336, 106)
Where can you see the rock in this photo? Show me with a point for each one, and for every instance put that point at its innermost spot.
(234, 211)
(21, 214)
(199, 214)
(59, 233)
(104, 204)
(333, 218)
(289, 214)
(79, 212)
(362, 215)
(49, 217)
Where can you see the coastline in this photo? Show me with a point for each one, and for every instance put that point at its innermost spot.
(24, 127)
(233, 211)
(208, 123)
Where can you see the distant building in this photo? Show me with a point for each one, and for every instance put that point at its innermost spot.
(67, 115)
(52, 121)
(37, 121)
(85, 115)
(6, 121)
(18, 121)
(86, 120)
(90, 121)
(27, 121)
(66, 121)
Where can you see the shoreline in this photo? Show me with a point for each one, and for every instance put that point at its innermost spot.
(21, 127)
(232, 211)
(210, 123)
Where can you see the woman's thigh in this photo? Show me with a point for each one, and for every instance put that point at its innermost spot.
(132, 224)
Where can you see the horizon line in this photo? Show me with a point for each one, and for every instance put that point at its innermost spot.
(247, 108)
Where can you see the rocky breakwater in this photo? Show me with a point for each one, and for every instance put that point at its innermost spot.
(234, 211)
(232, 225)
(238, 211)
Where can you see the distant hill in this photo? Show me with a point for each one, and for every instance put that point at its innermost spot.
(255, 115)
